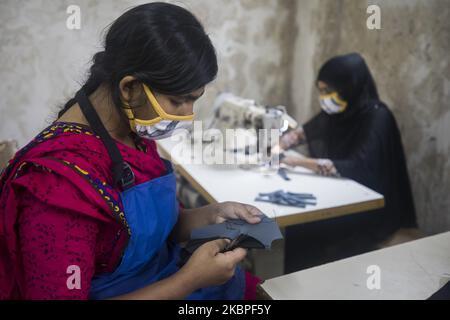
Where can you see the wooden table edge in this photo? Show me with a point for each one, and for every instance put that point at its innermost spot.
(262, 294)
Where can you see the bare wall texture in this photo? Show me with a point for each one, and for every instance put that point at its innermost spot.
(409, 58)
(42, 62)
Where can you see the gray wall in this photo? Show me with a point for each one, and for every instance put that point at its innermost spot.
(42, 62)
(268, 50)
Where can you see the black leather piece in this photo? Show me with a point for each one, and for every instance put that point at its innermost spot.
(242, 235)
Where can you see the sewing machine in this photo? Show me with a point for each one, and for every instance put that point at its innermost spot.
(256, 128)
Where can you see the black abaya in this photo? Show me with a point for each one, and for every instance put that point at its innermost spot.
(364, 144)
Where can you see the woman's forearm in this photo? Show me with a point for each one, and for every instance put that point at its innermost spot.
(307, 163)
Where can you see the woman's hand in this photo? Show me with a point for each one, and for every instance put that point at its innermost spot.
(209, 267)
(324, 167)
(205, 268)
(292, 138)
(190, 219)
(234, 210)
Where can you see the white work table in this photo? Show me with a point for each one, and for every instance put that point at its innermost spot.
(219, 183)
(411, 271)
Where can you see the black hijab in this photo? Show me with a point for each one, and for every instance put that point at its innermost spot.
(364, 142)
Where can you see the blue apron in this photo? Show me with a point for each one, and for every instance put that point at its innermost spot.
(151, 211)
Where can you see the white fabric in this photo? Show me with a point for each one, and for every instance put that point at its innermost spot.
(330, 106)
(162, 129)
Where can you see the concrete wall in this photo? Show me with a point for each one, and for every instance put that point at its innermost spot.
(42, 62)
(409, 58)
(268, 50)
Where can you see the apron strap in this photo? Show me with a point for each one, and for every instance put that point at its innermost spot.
(121, 171)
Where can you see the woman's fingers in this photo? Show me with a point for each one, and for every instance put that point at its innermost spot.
(253, 210)
(248, 213)
(326, 167)
(217, 246)
(235, 256)
(235, 210)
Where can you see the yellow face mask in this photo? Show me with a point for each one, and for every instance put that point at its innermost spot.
(162, 126)
(332, 103)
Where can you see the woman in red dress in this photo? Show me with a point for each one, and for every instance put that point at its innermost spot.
(88, 208)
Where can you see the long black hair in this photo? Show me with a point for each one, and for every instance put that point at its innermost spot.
(350, 76)
(161, 45)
